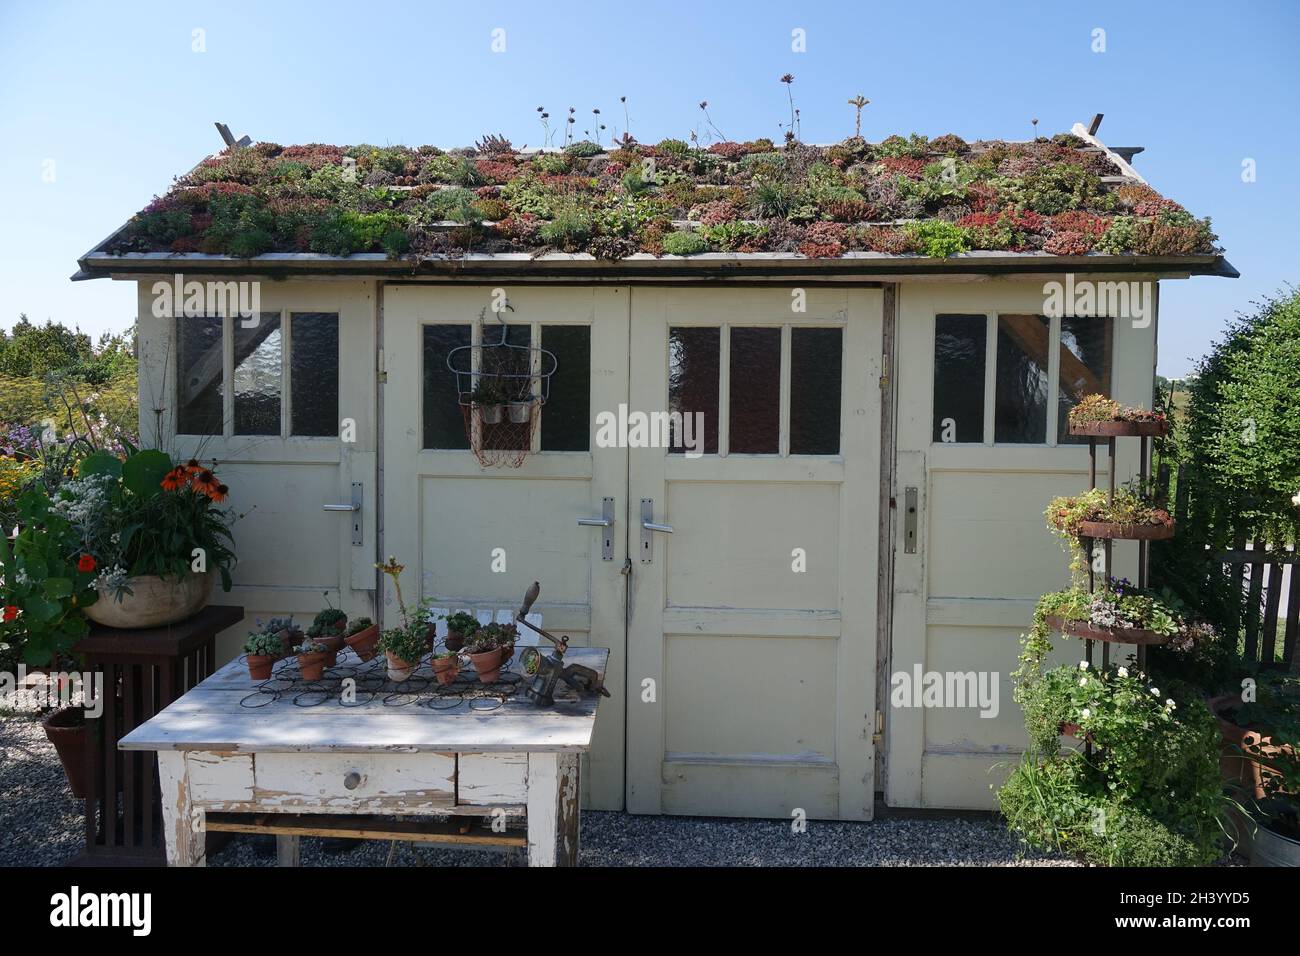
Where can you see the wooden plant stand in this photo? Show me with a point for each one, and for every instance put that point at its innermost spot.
(143, 672)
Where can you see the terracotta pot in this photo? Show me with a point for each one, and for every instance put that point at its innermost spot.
(363, 642)
(1239, 767)
(312, 666)
(289, 639)
(333, 645)
(488, 664)
(260, 666)
(430, 635)
(398, 669)
(67, 729)
(1127, 532)
(455, 640)
(446, 669)
(1121, 429)
(154, 601)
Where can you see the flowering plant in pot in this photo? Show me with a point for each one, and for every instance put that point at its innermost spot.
(312, 658)
(1100, 416)
(363, 637)
(403, 647)
(155, 532)
(446, 667)
(490, 649)
(460, 627)
(263, 649)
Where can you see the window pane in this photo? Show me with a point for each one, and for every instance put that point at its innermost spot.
(959, 356)
(200, 377)
(566, 417)
(1085, 366)
(314, 373)
(1020, 414)
(816, 367)
(443, 425)
(755, 416)
(258, 372)
(513, 370)
(694, 361)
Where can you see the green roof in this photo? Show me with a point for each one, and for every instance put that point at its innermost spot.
(904, 196)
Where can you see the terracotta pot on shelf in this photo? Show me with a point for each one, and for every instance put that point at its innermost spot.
(312, 666)
(1127, 532)
(398, 669)
(488, 664)
(1151, 429)
(446, 669)
(333, 644)
(1113, 635)
(363, 642)
(67, 729)
(260, 666)
(153, 601)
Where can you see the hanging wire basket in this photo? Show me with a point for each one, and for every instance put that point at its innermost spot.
(501, 388)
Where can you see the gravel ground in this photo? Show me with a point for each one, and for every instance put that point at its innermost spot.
(41, 825)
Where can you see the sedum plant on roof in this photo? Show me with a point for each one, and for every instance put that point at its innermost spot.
(902, 196)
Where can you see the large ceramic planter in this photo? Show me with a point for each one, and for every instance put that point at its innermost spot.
(1270, 848)
(153, 601)
(68, 731)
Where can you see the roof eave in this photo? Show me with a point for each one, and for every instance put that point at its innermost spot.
(99, 264)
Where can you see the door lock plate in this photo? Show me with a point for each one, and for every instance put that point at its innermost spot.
(910, 505)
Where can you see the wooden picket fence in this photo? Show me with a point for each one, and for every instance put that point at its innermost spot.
(1267, 576)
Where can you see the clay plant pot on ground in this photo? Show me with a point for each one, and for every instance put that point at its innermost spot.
(153, 601)
(398, 669)
(67, 729)
(446, 669)
(312, 664)
(364, 642)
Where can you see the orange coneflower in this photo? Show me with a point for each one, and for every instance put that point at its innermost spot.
(205, 482)
(219, 493)
(175, 479)
(192, 466)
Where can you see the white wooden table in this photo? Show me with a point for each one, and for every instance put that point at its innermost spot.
(218, 756)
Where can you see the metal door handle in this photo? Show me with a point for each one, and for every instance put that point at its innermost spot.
(353, 507)
(356, 506)
(648, 525)
(606, 520)
(651, 526)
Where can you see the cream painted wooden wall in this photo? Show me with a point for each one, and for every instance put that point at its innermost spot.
(985, 555)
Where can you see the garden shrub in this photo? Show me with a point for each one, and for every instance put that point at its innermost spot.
(684, 244)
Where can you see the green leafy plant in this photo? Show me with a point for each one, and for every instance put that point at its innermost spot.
(685, 243)
(492, 636)
(1099, 408)
(462, 623)
(263, 644)
(938, 239)
(359, 624)
(406, 643)
(310, 646)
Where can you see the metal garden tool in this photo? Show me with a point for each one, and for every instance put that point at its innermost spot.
(548, 670)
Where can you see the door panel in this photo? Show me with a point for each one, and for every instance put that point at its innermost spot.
(751, 677)
(445, 516)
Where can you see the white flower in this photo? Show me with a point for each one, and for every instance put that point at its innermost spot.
(1295, 499)
(1155, 691)
(1122, 672)
(1083, 665)
(1083, 682)
(1085, 714)
(1169, 703)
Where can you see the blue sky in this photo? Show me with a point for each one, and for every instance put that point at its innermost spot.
(113, 100)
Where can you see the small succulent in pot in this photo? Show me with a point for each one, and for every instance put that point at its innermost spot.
(460, 627)
(363, 637)
(446, 667)
(328, 628)
(263, 650)
(289, 632)
(312, 657)
(403, 647)
(491, 648)
(488, 397)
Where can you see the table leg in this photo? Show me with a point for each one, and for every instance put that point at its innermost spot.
(553, 809)
(183, 825)
(287, 849)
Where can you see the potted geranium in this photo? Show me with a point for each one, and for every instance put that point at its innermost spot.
(363, 637)
(403, 647)
(312, 658)
(446, 667)
(460, 627)
(263, 650)
(155, 532)
(490, 648)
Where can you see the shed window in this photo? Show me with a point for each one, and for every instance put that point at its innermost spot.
(959, 346)
(566, 416)
(816, 372)
(263, 367)
(1020, 403)
(1085, 367)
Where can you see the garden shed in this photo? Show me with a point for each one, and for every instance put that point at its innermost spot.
(881, 342)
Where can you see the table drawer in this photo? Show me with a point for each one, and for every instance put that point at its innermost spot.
(323, 783)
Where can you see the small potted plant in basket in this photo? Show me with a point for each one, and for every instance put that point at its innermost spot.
(363, 638)
(490, 648)
(403, 647)
(263, 650)
(460, 627)
(446, 667)
(488, 398)
(329, 628)
(519, 409)
(312, 657)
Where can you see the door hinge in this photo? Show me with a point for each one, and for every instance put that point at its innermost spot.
(880, 727)
(884, 371)
(379, 368)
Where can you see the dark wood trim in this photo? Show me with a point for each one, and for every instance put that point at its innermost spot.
(885, 532)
